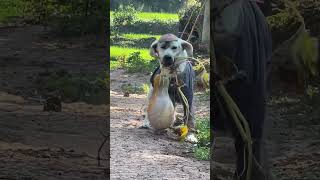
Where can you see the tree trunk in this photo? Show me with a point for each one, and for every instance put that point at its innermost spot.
(206, 24)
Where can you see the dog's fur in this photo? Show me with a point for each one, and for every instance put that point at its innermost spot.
(171, 46)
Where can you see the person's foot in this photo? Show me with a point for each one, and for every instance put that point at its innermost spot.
(191, 137)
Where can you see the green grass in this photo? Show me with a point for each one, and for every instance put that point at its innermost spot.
(114, 65)
(151, 16)
(202, 153)
(135, 88)
(202, 150)
(139, 36)
(10, 8)
(116, 51)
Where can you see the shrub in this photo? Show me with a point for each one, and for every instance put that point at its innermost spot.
(202, 150)
(135, 88)
(76, 87)
(68, 17)
(124, 15)
(135, 63)
(151, 27)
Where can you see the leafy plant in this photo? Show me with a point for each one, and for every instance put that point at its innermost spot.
(135, 88)
(124, 15)
(76, 87)
(137, 64)
(10, 9)
(68, 17)
(202, 150)
(202, 153)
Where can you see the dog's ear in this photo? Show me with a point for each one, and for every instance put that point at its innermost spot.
(153, 49)
(188, 47)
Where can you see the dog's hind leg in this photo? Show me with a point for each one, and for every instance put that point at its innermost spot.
(146, 123)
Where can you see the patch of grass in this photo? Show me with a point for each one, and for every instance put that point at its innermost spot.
(116, 51)
(89, 88)
(150, 27)
(202, 153)
(133, 63)
(202, 150)
(139, 36)
(137, 41)
(10, 8)
(135, 88)
(150, 16)
(204, 96)
(114, 65)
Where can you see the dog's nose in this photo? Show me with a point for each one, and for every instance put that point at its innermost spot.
(167, 60)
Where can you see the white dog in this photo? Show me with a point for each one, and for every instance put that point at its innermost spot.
(173, 51)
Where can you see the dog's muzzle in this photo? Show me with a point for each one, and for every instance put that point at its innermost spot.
(167, 61)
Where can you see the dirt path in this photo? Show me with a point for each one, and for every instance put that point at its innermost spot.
(47, 145)
(292, 139)
(42, 145)
(139, 153)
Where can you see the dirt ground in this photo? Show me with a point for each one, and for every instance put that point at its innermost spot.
(47, 145)
(63, 145)
(139, 153)
(292, 132)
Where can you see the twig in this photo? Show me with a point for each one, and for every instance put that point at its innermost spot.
(194, 24)
(106, 137)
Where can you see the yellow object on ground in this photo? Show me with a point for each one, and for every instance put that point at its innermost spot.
(183, 132)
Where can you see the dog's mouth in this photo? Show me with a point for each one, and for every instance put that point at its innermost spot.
(167, 61)
(167, 65)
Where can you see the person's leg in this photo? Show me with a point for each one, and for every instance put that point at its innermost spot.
(241, 159)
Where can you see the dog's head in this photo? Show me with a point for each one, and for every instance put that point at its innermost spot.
(168, 47)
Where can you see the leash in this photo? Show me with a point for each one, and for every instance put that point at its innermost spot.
(179, 86)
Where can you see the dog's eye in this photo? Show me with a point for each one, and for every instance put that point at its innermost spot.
(174, 47)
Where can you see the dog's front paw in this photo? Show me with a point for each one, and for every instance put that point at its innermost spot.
(191, 137)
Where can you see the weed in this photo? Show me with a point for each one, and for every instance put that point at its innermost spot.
(135, 88)
(202, 153)
(160, 17)
(122, 61)
(137, 64)
(76, 87)
(124, 15)
(204, 96)
(10, 8)
(139, 36)
(116, 51)
(202, 150)
(150, 16)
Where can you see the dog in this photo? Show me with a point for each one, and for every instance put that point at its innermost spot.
(172, 51)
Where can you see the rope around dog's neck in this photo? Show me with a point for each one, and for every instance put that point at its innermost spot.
(183, 97)
(174, 70)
